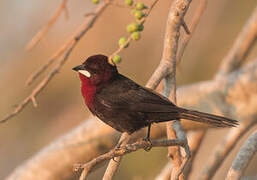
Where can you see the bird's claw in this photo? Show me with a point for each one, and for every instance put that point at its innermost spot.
(149, 146)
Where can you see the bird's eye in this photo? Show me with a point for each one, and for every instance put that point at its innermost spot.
(85, 73)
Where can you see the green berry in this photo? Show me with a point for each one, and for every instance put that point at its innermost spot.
(140, 27)
(95, 1)
(139, 14)
(132, 27)
(122, 42)
(136, 35)
(129, 2)
(140, 6)
(116, 58)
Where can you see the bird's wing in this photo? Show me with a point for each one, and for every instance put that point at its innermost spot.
(123, 93)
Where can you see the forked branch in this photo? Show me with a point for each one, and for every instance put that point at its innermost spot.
(125, 150)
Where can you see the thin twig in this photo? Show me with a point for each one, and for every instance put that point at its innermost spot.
(35, 40)
(243, 158)
(69, 44)
(56, 55)
(66, 49)
(90, 21)
(241, 47)
(224, 148)
(125, 150)
(89, 14)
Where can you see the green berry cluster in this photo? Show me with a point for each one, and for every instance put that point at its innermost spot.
(133, 28)
(137, 10)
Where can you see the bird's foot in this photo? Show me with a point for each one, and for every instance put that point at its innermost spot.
(148, 147)
(116, 148)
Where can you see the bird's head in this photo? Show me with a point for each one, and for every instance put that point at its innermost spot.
(96, 69)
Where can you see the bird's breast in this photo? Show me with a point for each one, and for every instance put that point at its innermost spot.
(88, 91)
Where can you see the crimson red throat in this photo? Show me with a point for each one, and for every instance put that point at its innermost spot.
(125, 105)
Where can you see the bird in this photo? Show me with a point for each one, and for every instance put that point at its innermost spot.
(127, 106)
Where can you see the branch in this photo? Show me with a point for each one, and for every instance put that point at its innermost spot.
(174, 129)
(87, 142)
(214, 86)
(66, 49)
(125, 150)
(35, 40)
(241, 47)
(231, 62)
(243, 158)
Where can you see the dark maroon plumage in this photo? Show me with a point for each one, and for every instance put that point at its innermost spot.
(127, 106)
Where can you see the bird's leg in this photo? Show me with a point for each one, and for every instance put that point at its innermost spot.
(147, 138)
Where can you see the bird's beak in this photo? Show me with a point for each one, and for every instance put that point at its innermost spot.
(79, 67)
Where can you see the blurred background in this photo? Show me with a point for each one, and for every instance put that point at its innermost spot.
(60, 105)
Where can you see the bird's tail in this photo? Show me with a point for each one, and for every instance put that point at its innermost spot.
(214, 120)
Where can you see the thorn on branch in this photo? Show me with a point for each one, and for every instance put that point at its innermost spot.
(33, 99)
(89, 14)
(183, 23)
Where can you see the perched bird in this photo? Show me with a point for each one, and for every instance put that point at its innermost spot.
(126, 106)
